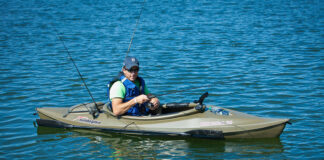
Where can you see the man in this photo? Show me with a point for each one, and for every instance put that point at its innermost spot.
(129, 94)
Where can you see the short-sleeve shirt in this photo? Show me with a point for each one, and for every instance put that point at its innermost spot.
(118, 90)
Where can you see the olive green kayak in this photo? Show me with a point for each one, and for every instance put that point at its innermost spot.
(174, 119)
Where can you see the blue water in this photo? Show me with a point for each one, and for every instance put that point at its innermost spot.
(264, 58)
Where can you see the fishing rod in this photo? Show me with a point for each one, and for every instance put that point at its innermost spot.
(94, 113)
(128, 50)
(131, 41)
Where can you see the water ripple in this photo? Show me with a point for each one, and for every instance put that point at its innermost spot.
(262, 57)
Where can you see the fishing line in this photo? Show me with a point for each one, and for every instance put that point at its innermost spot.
(131, 41)
(129, 46)
(66, 49)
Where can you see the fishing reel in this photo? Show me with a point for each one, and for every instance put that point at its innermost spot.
(200, 106)
(150, 105)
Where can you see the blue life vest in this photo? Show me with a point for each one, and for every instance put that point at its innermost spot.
(131, 92)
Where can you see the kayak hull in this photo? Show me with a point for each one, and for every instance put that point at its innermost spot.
(188, 122)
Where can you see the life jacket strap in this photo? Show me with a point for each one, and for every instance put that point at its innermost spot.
(124, 79)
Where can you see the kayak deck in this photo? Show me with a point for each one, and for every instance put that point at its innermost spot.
(188, 122)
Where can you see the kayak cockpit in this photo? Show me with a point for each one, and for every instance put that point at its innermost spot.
(165, 113)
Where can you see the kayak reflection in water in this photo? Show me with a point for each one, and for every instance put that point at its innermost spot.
(128, 93)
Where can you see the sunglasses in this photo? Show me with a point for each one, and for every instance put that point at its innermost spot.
(133, 70)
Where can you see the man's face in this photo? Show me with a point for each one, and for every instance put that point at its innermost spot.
(131, 74)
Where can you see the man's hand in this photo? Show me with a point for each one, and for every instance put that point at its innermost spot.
(141, 99)
(155, 102)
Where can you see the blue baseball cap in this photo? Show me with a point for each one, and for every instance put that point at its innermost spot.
(130, 62)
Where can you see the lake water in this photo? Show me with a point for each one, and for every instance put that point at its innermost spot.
(263, 57)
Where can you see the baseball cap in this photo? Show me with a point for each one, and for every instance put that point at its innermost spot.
(130, 62)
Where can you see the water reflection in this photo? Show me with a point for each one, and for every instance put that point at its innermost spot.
(117, 146)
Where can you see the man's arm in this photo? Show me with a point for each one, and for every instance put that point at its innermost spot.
(120, 107)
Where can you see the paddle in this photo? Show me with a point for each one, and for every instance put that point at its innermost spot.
(200, 107)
